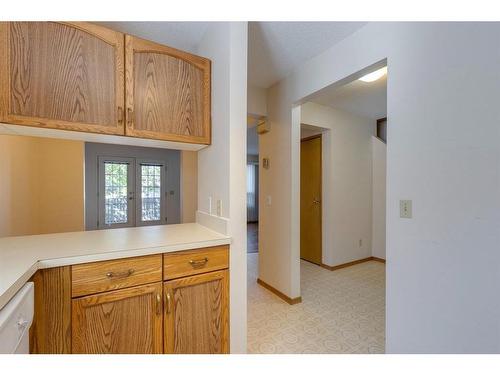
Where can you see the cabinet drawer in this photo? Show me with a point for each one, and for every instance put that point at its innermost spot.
(192, 262)
(98, 277)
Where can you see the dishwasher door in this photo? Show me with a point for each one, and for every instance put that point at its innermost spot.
(15, 321)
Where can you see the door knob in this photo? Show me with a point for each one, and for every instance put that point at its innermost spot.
(316, 201)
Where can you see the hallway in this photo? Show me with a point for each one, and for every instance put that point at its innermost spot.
(252, 237)
(342, 312)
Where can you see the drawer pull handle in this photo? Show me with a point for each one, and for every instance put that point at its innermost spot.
(168, 303)
(198, 263)
(158, 304)
(128, 273)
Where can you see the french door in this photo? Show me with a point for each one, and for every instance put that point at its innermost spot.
(131, 192)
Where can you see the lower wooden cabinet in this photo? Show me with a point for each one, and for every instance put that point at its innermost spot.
(196, 314)
(135, 305)
(126, 321)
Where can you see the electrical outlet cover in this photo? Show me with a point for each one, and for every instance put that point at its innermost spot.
(405, 209)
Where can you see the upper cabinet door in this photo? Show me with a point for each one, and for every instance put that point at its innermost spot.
(167, 93)
(62, 75)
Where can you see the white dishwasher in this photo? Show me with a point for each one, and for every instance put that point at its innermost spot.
(15, 321)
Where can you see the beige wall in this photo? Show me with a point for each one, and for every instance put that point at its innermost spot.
(41, 185)
(18, 186)
(189, 186)
(61, 185)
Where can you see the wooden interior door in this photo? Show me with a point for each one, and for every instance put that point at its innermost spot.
(64, 75)
(126, 321)
(310, 200)
(197, 314)
(167, 93)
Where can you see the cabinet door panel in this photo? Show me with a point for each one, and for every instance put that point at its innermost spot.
(168, 93)
(63, 75)
(125, 321)
(196, 314)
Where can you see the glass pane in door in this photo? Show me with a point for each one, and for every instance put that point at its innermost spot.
(115, 193)
(150, 192)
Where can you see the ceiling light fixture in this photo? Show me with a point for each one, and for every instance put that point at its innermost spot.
(373, 76)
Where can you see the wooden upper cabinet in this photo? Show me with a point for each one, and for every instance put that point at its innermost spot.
(126, 321)
(197, 314)
(167, 93)
(64, 75)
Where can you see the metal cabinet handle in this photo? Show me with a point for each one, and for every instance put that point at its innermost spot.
(120, 115)
(168, 303)
(198, 263)
(158, 304)
(128, 273)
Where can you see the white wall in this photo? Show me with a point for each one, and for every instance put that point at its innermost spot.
(213, 161)
(442, 267)
(257, 101)
(275, 231)
(347, 182)
(379, 163)
(222, 166)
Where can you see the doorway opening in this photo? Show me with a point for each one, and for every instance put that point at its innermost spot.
(343, 238)
(253, 183)
(337, 244)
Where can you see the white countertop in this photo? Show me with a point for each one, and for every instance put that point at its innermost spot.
(21, 257)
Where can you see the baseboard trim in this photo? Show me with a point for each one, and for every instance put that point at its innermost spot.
(378, 260)
(354, 262)
(284, 297)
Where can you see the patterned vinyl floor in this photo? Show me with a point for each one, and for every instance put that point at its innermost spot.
(342, 311)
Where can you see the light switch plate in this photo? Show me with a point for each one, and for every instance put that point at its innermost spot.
(405, 209)
(265, 163)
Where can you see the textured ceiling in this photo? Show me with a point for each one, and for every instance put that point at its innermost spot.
(181, 35)
(367, 99)
(276, 49)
